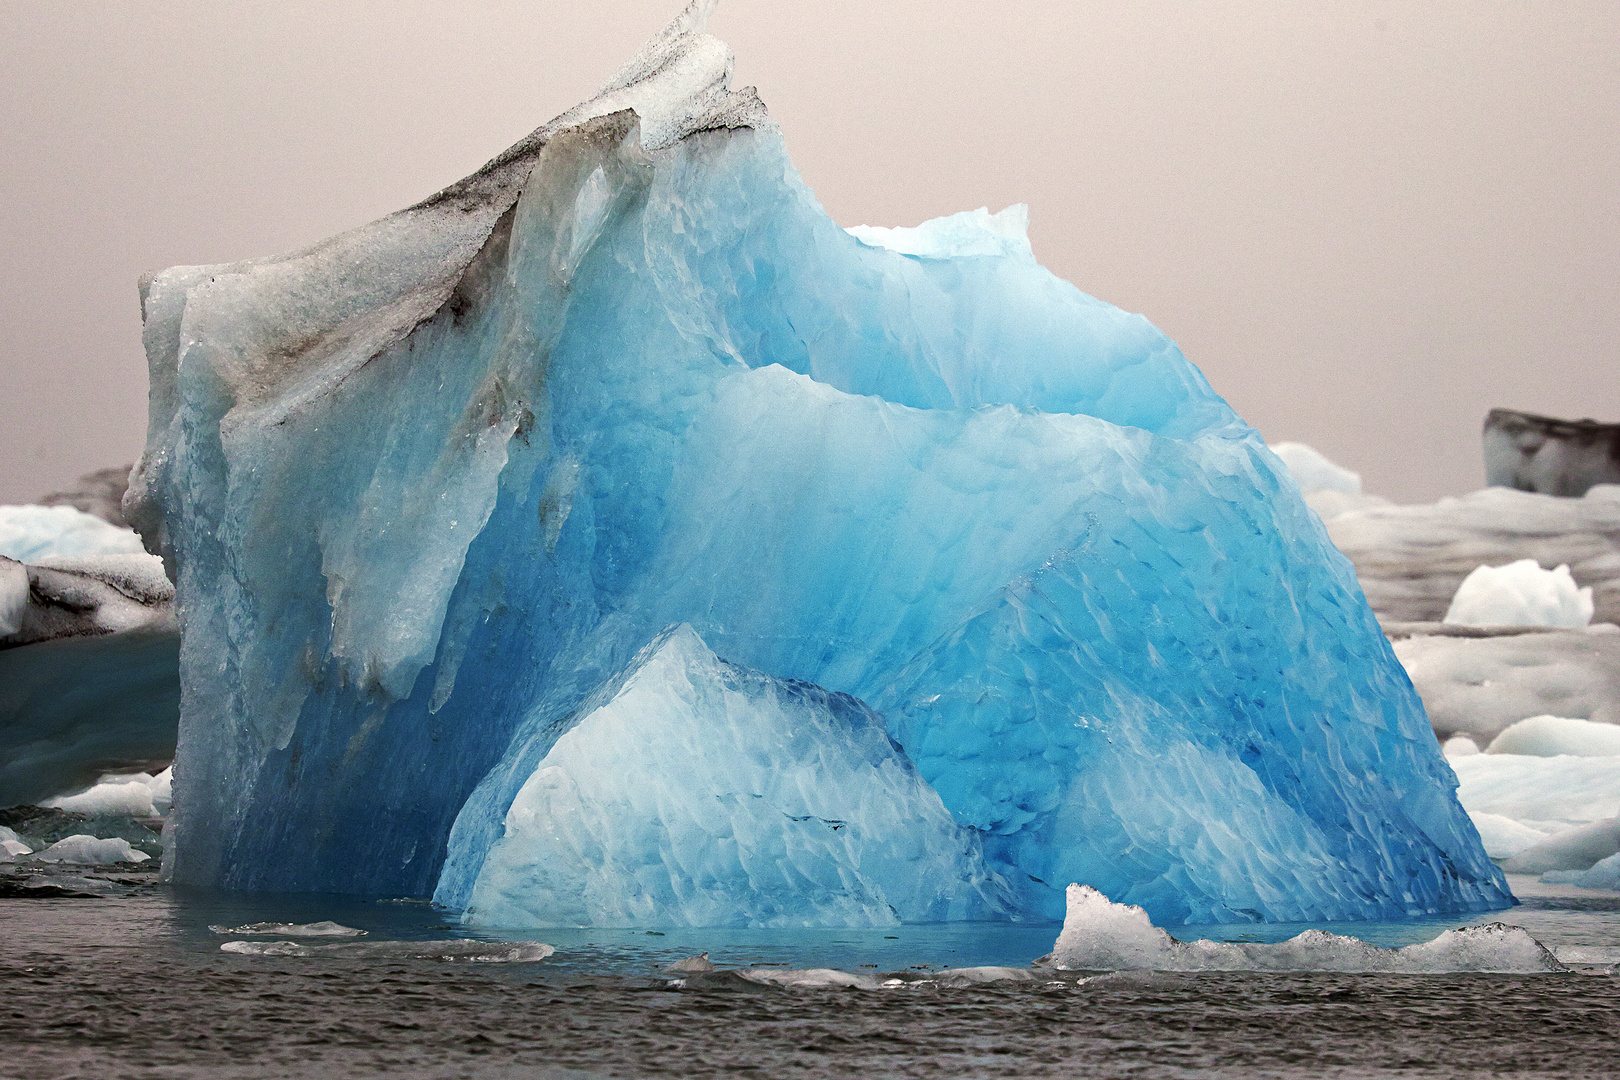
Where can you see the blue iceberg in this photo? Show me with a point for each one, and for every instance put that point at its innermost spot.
(431, 488)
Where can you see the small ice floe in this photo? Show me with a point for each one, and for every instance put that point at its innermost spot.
(475, 952)
(1099, 935)
(129, 794)
(1521, 594)
(84, 850)
(11, 845)
(1557, 736)
(1604, 875)
(324, 928)
(691, 965)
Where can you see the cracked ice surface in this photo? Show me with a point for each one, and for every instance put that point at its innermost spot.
(430, 485)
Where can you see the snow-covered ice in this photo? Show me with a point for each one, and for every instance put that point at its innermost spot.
(1552, 736)
(1578, 848)
(429, 485)
(1099, 935)
(87, 850)
(135, 795)
(1520, 594)
(34, 534)
(1480, 686)
(1411, 559)
(700, 793)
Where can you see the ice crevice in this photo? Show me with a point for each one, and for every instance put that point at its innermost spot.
(625, 417)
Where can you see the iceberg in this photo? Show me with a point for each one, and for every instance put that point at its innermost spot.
(431, 488)
(699, 793)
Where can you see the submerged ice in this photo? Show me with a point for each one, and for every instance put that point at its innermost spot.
(430, 487)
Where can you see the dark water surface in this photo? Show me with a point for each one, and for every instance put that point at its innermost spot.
(134, 984)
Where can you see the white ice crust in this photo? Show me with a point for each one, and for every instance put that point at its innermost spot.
(956, 236)
(85, 850)
(1553, 736)
(133, 794)
(33, 534)
(1521, 594)
(1099, 935)
(471, 952)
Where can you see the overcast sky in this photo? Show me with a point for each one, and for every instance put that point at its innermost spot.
(1367, 222)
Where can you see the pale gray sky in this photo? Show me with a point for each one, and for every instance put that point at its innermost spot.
(1368, 222)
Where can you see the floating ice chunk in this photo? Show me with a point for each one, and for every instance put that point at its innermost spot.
(699, 793)
(11, 845)
(1313, 471)
(1541, 792)
(1579, 848)
(474, 952)
(963, 235)
(1329, 488)
(1550, 736)
(1459, 746)
(1411, 559)
(692, 964)
(33, 534)
(162, 788)
(91, 851)
(1604, 875)
(1480, 686)
(1099, 935)
(1520, 594)
(14, 589)
(324, 928)
(1503, 837)
(112, 795)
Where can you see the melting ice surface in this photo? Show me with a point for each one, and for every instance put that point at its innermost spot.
(431, 488)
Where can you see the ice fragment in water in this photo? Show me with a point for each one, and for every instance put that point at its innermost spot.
(474, 952)
(324, 928)
(428, 486)
(1551, 736)
(88, 850)
(1099, 935)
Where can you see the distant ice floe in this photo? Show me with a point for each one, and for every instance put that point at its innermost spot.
(135, 795)
(324, 928)
(34, 534)
(11, 845)
(1555, 736)
(1099, 935)
(85, 850)
(1329, 488)
(472, 952)
(1604, 875)
(1520, 594)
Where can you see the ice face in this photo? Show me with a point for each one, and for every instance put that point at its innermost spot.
(428, 486)
(704, 794)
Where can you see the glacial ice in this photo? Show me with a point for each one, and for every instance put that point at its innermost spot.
(1552, 736)
(429, 486)
(1604, 875)
(1328, 487)
(467, 952)
(324, 928)
(132, 795)
(86, 850)
(698, 793)
(1520, 594)
(1099, 935)
(34, 534)
(1481, 686)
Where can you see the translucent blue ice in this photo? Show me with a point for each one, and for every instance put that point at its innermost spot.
(698, 793)
(430, 485)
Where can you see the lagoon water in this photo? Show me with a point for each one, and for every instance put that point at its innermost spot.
(135, 984)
